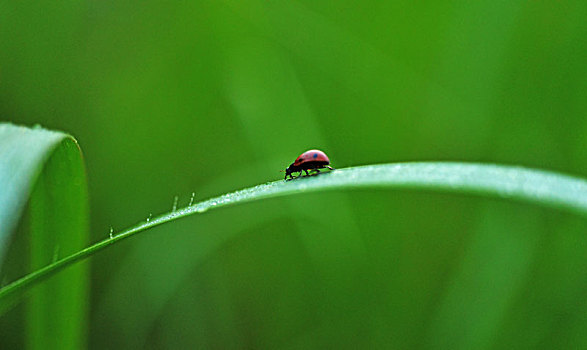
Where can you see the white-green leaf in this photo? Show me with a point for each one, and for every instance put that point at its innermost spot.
(45, 169)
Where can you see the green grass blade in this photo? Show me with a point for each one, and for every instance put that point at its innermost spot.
(45, 169)
(22, 153)
(513, 183)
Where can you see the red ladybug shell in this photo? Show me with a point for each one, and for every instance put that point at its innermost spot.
(312, 155)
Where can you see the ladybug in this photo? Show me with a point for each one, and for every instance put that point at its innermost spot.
(310, 160)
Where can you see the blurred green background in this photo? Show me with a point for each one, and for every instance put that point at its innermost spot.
(170, 98)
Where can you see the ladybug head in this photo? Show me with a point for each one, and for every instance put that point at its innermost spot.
(290, 169)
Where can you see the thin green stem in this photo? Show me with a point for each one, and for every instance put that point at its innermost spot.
(533, 186)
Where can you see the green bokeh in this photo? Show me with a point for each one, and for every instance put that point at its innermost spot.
(170, 98)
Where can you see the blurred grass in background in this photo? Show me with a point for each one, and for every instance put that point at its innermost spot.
(171, 98)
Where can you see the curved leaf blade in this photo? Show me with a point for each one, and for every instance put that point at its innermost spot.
(19, 167)
(45, 169)
(507, 182)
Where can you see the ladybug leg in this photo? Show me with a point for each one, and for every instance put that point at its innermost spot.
(306, 170)
(329, 167)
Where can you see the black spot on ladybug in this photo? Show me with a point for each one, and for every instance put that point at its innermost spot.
(315, 155)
